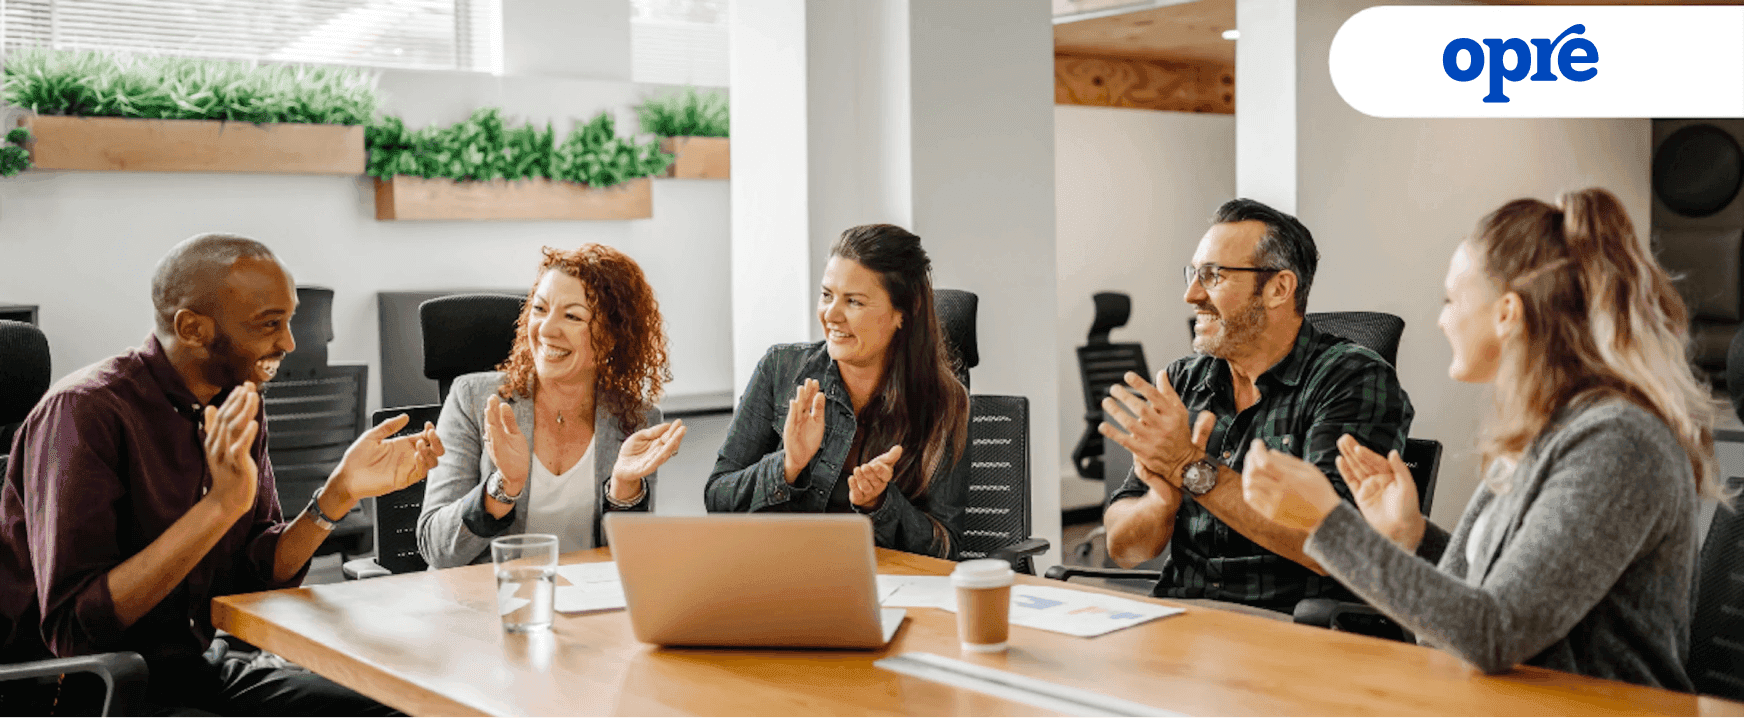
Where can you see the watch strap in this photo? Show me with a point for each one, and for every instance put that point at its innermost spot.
(494, 487)
(314, 511)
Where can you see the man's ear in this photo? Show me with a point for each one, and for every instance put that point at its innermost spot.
(1281, 290)
(193, 328)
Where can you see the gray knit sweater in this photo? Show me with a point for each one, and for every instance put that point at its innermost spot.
(1585, 565)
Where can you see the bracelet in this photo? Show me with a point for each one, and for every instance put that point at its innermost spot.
(633, 499)
(314, 512)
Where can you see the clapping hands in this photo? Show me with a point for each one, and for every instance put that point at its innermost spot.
(867, 484)
(1385, 492)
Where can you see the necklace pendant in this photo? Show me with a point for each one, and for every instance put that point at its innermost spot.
(560, 417)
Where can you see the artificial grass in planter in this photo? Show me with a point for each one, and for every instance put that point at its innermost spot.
(13, 157)
(483, 148)
(100, 84)
(686, 114)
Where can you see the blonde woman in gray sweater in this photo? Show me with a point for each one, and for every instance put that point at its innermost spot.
(1577, 550)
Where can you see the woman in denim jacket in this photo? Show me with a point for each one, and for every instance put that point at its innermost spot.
(870, 420)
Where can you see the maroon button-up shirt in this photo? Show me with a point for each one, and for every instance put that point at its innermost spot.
(104, 464)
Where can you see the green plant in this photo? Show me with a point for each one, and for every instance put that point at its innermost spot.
(99, 84)
(482, 147)
(14, 158)
(686, 114)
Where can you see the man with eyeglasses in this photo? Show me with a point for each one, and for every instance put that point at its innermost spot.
(1262, 373)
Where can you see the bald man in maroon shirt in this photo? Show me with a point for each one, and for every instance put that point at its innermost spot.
(140, 488)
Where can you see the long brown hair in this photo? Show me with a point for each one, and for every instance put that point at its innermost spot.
(628, 338)
(919, 402)
(1601, 319)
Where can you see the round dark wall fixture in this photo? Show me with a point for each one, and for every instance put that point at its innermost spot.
(1698, 170)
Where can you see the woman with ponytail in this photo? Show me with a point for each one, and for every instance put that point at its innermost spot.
(1576, 552)
(871, 420)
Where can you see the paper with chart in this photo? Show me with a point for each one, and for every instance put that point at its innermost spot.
(1062, 610)
(593, 587)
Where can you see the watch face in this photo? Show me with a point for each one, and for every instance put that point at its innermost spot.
(1199, 478)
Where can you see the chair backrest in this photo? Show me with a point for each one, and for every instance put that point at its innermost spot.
(956, 309)
(466, 333)
(1378, 331)
(313, 415)
(996, 512)
(312, 328)
(1101, 364)
(24, 370)
(1716, 655)
(1423, 457)
(396, 512)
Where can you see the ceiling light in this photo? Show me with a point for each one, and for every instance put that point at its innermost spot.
(1231, 34)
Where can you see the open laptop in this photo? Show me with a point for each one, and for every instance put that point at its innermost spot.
(764, 580)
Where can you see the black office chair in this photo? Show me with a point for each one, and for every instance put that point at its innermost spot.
(396, 512)
(466, 333)
(463, 334)
(315, 410)
(1378, 331)
(32, 687)
(1716, 657)
(996, 520)
(1101, 364)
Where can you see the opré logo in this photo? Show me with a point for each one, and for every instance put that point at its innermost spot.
(1578, 51)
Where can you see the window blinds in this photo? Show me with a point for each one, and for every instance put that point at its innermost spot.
(679, 42)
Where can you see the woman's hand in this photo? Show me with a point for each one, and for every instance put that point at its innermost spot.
(1287, 490)
(867, 484)
(506, 444)
(804, 431)
(642, 453)
(1385, 492)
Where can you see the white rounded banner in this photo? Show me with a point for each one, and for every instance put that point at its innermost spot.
(1542, 61)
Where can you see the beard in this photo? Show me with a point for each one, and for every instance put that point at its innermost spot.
(1238, 330)
(227, 367)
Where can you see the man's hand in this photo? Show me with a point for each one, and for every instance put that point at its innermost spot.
(642, 453)
(376, 464)
(1155, 424)
(1170, 486)
(867, 484)
(229, 447)
(1385, 492)
(804, 431)
(1287, 490)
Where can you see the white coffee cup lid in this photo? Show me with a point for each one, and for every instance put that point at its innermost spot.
(983, 573)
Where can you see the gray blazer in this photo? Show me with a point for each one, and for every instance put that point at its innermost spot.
(1585, 567)
(454, 529)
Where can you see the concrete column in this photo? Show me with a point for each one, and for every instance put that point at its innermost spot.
(1265, 102)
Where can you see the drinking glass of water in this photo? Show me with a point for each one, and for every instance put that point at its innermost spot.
(526, 580)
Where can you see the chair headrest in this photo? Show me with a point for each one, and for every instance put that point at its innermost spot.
(312, 329)
(956, 309)
(24, 370)
(1735, 373)
(1113, 309)
(466, 333)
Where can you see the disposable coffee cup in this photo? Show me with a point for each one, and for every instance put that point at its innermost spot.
(983, 604)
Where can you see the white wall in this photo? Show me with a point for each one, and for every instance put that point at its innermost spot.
(1134, 191)
(1389, 199)
(82, 244)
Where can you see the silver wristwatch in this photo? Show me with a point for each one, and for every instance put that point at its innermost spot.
(494, 487)
(1199, 477)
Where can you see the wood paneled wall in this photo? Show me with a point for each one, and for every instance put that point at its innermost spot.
(1144, 83)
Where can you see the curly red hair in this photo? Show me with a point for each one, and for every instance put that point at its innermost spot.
(629, 339)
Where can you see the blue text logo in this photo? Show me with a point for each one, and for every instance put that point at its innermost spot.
(1577, 51)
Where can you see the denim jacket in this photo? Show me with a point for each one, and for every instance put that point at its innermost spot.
(748, 472)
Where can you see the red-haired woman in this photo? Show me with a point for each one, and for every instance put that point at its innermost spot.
(566, 428)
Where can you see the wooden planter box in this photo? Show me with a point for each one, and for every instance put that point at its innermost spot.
(408, 197)
(133, 145)
(698, 157)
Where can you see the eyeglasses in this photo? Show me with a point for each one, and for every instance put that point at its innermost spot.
(1210, 275)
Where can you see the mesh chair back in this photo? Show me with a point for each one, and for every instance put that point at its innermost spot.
(1423, 457)
(24, 370)
(312, 417)
(956, 309)
(1101, 364)
(313, 330)
(996, 513)
(396, 513)
(1378, 331)
(1716, 657)
(466, 333)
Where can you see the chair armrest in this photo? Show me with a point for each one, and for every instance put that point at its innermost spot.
(361, 568)
(1067, 573)
(125, 673)
(1319, 611)
(1350, 617)
(1016, 553)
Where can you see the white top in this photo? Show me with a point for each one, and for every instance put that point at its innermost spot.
(564, 505)
(1480, 531)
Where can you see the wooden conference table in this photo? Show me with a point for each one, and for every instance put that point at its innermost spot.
(431, 643)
